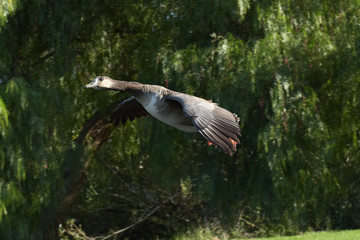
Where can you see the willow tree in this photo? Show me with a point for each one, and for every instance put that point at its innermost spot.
(288, 69)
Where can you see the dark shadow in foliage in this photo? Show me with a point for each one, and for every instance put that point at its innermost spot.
(75, 167)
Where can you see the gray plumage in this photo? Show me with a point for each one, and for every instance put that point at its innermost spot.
(182, 111)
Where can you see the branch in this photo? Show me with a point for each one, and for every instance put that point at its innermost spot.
(75, 166)
(141, 219)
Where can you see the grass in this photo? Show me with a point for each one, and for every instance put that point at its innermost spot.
(326, 235)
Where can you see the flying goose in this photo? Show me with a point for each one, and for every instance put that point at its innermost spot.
(182, 111)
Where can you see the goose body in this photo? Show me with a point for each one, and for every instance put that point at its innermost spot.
(182, 111)
(172, 115)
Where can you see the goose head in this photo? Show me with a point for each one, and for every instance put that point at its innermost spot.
(100, 82)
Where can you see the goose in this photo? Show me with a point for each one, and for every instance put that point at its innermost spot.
(185, 112)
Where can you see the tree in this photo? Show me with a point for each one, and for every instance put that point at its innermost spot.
(288, 69)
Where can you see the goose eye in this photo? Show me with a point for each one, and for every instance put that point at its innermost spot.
(100, 79)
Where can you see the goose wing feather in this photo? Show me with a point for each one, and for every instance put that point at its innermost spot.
(128, 109)
(215, 124)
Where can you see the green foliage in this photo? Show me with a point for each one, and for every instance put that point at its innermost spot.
(289, 69)
(4, 117)
(6, 7)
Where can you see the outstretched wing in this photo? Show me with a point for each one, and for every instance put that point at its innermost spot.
(219, 126)
(128, 109)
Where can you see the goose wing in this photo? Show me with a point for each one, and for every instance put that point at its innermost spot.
(217, 125)
(128, 109)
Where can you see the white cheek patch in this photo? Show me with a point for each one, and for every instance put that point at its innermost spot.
(106, 84)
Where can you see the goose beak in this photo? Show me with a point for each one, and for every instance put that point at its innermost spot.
(92, 84)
